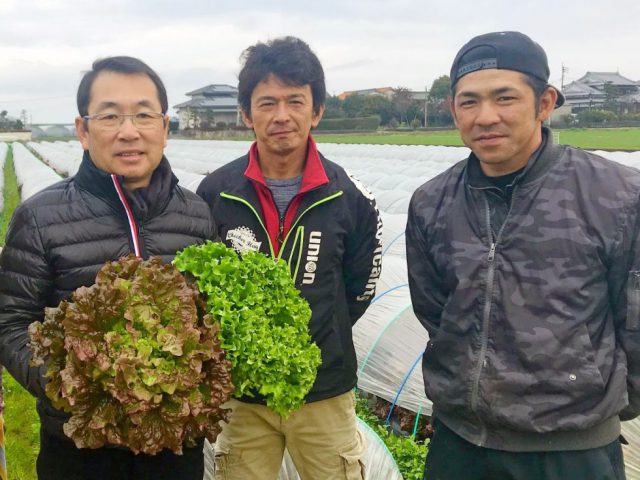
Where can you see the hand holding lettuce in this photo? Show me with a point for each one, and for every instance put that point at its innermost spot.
(264, 322)
(134, 361)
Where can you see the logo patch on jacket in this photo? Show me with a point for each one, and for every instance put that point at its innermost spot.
(311, 265)
(243, 239)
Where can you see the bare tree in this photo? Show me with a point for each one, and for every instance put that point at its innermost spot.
(402, 99)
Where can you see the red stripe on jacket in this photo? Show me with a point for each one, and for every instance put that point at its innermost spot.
(313, 176)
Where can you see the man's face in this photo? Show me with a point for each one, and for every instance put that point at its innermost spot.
(281, 117)
(496, 115)
(125, 150)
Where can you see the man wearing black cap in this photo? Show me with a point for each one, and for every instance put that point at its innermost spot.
(523, 268)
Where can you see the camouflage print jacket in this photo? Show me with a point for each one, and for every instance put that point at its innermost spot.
(535, 328)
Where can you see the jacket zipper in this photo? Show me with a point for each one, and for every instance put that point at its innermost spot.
(133, 226)
(486, 313)
(281, 218)
(281, 230)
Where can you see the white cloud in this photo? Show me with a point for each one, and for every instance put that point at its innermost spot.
(46, 44)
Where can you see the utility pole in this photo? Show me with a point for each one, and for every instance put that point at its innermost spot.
(564, 70)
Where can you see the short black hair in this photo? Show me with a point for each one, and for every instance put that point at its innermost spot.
(121, 64)
(287, 58)
(538, 86)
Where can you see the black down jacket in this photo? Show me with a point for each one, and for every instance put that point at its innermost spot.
(58, 240)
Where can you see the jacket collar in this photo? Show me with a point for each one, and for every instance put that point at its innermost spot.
(314, 174)
(537, 165)
(142, 200)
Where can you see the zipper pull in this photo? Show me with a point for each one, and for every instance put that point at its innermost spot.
(492, 252)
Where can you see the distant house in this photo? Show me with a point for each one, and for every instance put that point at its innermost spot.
(209, 107)
(593, 88)
(630, 102)
(620, 84)
(420, 96)
(384, 91)
(581, 96)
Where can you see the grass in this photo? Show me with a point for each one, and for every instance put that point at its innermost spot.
(11, 195)
(20, 418)
(588, 138)
(22, 427)
(441, 137)
(601, 138)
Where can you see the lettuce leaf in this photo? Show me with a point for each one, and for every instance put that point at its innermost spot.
(134, 360)
(264, 322)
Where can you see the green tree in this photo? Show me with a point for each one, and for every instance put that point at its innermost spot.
(611, 101)
(353, 105)
(440, 88)
(402, 99)
(333, 108)
(438, 113)
(597, 117)
(378, 105)
(415, 114)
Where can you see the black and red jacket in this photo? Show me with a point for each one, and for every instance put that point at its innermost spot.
(330, 236)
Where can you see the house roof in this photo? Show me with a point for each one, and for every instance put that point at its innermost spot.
(215, 89)
(577, 88)
(366, 91)
(215, 103)
(601, 78)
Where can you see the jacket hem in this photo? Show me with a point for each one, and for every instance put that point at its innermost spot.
(520, 441)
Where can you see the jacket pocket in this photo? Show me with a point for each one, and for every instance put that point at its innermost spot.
(633, 301)
(351, 455)
(221, 460)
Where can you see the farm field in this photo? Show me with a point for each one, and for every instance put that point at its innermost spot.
(392, 172)
(588, 138)
(21, 421)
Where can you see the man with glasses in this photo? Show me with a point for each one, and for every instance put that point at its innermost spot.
(124, 199)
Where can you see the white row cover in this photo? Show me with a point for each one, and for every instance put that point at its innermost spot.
(32, 174)
(63, 157)
(389, 339)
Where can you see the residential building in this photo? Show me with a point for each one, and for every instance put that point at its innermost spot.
(209, 107)
(384, 91)
(594, 89)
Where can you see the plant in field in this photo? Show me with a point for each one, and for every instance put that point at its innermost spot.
(406, 451)
(133, 360)
(264, 322)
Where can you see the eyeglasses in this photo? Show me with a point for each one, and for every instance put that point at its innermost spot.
(112, 121)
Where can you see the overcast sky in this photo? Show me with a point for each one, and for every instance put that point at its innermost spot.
(45, 45)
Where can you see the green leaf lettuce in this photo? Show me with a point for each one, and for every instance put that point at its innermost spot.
(264, 322)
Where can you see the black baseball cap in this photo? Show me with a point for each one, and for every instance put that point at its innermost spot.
(503, 50)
